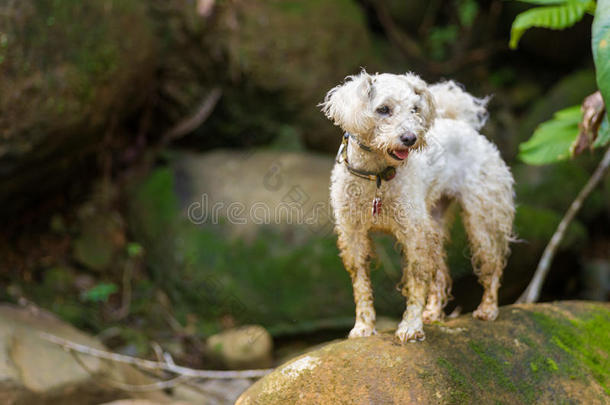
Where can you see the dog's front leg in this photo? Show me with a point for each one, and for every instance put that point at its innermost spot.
(420, 249)
(355, 247)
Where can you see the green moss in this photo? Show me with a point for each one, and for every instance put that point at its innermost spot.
(551, 363)
(212, 275)
(542, 364)
(83, 53)
(580, 342)
(574, 349)
(461, 386)
(495, 367)
(526, 340)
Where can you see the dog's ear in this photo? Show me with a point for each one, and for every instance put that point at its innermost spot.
(426, 104)
(347, 105)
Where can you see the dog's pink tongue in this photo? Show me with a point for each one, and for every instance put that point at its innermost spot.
(402, 154)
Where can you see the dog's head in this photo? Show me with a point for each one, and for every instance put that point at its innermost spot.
(391, 113)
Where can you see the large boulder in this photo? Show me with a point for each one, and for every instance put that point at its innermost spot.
(220, 238)
(78, 79)
(282, 58)
(541, 353)
(70, 72)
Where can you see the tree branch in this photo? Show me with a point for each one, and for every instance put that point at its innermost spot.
(532, 292)
(191, 123)
(153, 365)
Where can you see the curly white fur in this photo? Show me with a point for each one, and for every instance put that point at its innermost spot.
(449, 161)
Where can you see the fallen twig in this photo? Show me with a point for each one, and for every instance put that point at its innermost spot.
(155, 386)
(532, 292)
(153, 365)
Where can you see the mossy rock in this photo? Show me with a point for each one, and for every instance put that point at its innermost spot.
(299, 48)
(217, 267)
(68, 69)
(536, 353)
(272, 48)
(264, 274)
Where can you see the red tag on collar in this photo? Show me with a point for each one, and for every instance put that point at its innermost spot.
(376, 206)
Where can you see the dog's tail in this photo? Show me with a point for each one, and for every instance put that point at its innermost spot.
(453, 102)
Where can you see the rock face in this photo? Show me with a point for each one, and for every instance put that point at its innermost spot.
(75, 77)
(542, 353)
(272, 47)
(265, 183)
(255, 266)
(35, 371)
(67, 69)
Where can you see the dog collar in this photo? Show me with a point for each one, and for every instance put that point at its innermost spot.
(386, 174)
(360, 144)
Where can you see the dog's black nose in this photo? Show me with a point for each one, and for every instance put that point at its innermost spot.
(408, 138)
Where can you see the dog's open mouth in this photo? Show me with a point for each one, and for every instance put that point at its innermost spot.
(399, 154)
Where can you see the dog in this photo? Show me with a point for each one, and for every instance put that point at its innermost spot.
(410, 150)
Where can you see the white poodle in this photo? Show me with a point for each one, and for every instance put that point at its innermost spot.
(409, 150)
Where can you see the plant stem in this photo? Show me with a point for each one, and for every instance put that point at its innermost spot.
(532, 292)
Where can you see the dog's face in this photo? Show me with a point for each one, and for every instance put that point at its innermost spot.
(390, 113)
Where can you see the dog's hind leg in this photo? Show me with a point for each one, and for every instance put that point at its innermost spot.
(438, 295)
(356, 251)
(440, 287)
(488, 219)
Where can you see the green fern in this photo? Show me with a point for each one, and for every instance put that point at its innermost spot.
(545, 2)
(552, 139)
(561, 14)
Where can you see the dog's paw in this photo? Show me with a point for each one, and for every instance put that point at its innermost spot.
(362, 330)
(432, 315)
(406, 333)
(486, 312)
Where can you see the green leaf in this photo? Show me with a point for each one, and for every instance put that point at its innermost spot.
(600, 41)
(603, 134)
(545, 2)
(467, 12)
(99, 293)
(439, 38)
(554, 17)
(134, 249)
(552, 139)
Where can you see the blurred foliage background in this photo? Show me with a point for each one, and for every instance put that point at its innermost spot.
(108, 214)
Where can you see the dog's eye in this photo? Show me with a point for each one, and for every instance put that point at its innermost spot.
(383, 110)
(415, 109)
